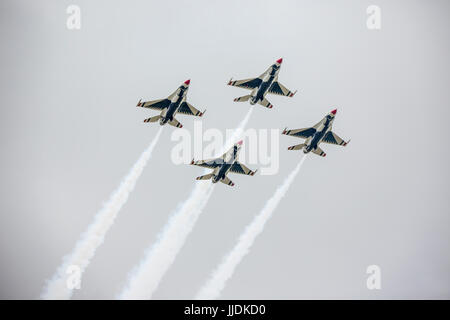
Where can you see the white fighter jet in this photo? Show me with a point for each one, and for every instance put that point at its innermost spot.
(321, 132)
(224, 164)
(170, 106)
(265, 83)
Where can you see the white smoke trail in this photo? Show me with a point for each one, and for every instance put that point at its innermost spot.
(237, 133)
(214, 286)
(92, 238)
(158, 258)
(145, 278)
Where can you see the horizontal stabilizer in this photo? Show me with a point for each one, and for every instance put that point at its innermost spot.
(297, 147)
(227, 181)
(174, 122)
(243, 98)
(153, 119)
(205, 177)
(319, 152)
(265, 103)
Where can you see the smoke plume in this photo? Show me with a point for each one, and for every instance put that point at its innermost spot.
(216, 283)
(58, 287)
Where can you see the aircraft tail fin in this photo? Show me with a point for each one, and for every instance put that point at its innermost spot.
(152, 119)
(174, 122)
(243, 98)
(205, 177)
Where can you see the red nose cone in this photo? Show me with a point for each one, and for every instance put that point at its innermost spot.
(280, 60)
(240, 142)
(187, 82)
(334, 111)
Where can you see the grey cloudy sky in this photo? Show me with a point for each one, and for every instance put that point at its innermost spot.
(70, 131)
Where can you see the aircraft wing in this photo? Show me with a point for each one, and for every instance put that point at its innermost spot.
(238, 167)
(279, 89)
(210, 164)
(155, 104)
(246, 84)
(187, 108)
(333, 138)
(300, 133)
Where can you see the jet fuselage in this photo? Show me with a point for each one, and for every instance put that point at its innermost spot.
(320, 133)
(174, 106)
(221, 174)
(229, 160)
(265, 85)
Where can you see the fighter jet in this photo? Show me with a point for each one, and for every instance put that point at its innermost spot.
(321, 132)
(224, 164)
(170, 106)
(265, 83)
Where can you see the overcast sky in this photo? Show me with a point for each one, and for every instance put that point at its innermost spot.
(70, 131)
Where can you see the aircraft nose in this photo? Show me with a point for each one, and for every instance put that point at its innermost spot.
(280, 60)
(187, 82)
(240, 142)
(334, 111)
